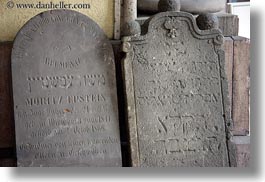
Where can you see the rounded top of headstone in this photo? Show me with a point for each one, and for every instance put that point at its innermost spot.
(207, 21)
(64, 79)
(54, 15)
(168, 5)
(49, 31)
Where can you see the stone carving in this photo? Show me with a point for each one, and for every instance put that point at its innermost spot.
(64, 88)
(176, 93)
(192, 6)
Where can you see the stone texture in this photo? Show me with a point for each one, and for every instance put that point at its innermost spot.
(7, 137)
(239, 151)
(191, 6)
(177, 94)
(65, 96)
(241, 86)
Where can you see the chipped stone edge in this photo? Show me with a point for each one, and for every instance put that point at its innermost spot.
(212, 34)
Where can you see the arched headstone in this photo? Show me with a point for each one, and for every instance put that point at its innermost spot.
(65, 96)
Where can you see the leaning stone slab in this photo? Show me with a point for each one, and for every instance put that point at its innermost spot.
(64, 89)
(176, 94)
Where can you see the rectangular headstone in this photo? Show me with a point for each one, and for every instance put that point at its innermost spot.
(65, 96)
(177, 98)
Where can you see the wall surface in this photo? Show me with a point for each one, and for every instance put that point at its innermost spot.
(13, 17)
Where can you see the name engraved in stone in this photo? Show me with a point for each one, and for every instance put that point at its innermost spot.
(86, 98)
(59, 100)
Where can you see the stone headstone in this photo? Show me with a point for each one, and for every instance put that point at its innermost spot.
(177, 99)
(64, 89)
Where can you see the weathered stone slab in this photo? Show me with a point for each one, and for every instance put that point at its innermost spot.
(177, 95)
(65, 96)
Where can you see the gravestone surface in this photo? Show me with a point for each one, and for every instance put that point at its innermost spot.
(64, 89)
(176, 90)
